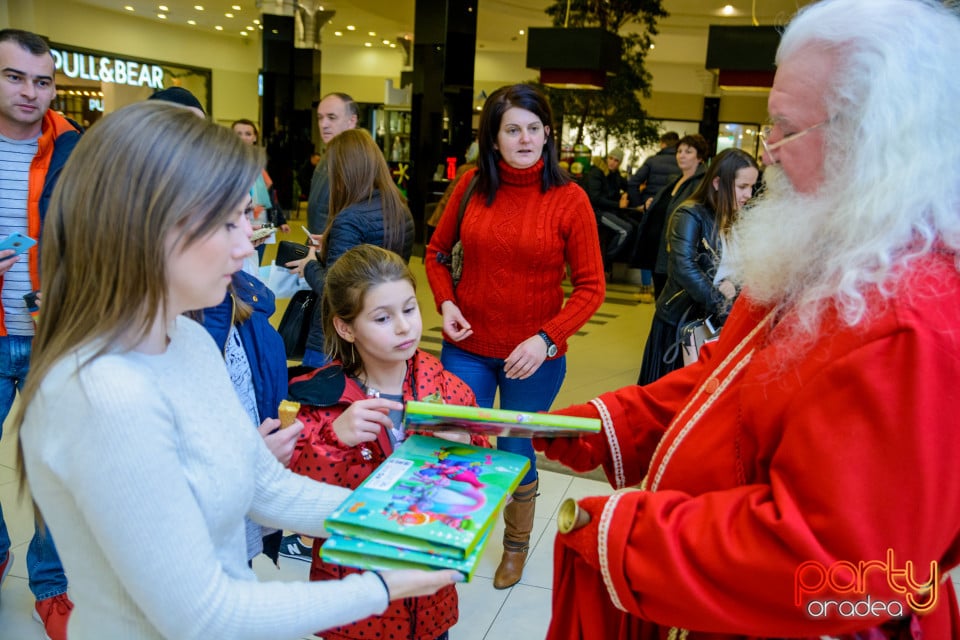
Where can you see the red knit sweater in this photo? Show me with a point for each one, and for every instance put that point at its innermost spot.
(515, 256)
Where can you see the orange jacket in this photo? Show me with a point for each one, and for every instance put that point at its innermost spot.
(58, 137)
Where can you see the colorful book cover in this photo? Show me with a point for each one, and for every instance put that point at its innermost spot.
(371, 556)
(427, 416)
(431, 495)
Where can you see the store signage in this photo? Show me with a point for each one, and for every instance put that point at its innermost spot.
(106, 69)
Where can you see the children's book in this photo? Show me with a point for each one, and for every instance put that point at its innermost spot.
(427, 416)
(363, 554)
(431, 495)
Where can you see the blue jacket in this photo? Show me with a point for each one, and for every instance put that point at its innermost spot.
(360, 223)
(264, 347)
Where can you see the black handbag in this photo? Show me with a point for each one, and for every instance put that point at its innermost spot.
(288, 252)
(454, 261)
(295, 324)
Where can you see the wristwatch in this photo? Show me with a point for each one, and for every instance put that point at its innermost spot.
(551, 348)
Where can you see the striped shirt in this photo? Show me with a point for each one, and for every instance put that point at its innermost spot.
(15, 159)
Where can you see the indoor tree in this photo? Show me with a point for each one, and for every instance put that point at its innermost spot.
(615, 111)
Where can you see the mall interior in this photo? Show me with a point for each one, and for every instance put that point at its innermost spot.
(271, 60)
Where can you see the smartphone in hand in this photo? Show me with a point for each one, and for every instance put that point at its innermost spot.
(18, 242)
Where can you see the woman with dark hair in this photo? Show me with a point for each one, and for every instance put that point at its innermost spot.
(694, 233)
(366, 207)
(505, 322)
(650, 250)
(266, 207)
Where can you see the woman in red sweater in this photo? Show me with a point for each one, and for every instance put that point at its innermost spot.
(505, 322)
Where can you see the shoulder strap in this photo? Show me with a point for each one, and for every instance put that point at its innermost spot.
(464, 201)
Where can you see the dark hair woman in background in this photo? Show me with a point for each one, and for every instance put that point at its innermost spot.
(693, 252)
(650, 250)
(505, 323)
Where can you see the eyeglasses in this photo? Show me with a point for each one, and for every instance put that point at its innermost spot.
(767, 130)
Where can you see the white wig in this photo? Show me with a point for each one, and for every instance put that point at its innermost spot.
(892, 160)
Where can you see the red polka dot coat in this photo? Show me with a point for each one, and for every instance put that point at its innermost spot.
(325, 394)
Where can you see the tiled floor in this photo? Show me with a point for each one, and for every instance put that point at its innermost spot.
(604, 355)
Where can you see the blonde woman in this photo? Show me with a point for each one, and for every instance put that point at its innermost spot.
(131, 434)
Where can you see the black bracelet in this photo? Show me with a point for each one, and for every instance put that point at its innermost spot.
(383, 582)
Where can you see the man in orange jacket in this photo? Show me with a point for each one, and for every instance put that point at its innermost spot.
(34, 145)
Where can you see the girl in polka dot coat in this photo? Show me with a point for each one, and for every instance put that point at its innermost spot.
(351, 410)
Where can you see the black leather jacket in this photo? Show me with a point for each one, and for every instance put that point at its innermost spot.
(693, 250)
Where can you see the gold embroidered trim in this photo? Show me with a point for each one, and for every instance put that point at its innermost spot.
(603, 549)
(617, 457)
(693, 399)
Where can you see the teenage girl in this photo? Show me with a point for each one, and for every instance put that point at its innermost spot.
(353, 408)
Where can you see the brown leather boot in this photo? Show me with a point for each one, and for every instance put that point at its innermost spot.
(518, 518)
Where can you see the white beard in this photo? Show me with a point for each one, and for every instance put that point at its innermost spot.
(780, 241)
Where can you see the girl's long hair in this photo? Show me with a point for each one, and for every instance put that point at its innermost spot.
(147, 177)
(358, 170)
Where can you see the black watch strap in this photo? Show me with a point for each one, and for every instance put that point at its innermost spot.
(551, 347)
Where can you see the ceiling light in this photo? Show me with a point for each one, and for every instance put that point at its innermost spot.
(727, 10)
(218, 28)
(350, 27)
(250, 28)
(193, 22)
(229, 15)
(338, 33)
(393, 46)
(243, 33)
(128, 8)
(372, 34)
(653, 46)
(236, 7)
(521, 31)
(367, 44)
(256, 22)
(163, 7)
(198, 7)
(162, 16)
(385, 41)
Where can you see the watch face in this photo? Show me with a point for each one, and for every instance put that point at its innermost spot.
(551, 351)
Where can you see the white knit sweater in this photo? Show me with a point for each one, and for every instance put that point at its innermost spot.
(144, 467)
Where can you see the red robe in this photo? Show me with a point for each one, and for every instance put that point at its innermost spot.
(754, 464)
(325, 394)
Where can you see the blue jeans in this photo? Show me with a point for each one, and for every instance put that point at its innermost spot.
(43, 563)
(646, 277)
(484, 375)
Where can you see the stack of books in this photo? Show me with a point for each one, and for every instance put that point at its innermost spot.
(432, 503)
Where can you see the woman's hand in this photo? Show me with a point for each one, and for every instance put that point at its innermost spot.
(526, 358)
(624, 200)
(727, 288)
(297, 266)
(363, 420)
(315, 240)
(455, 326)
(280, 441)
(410, 583)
